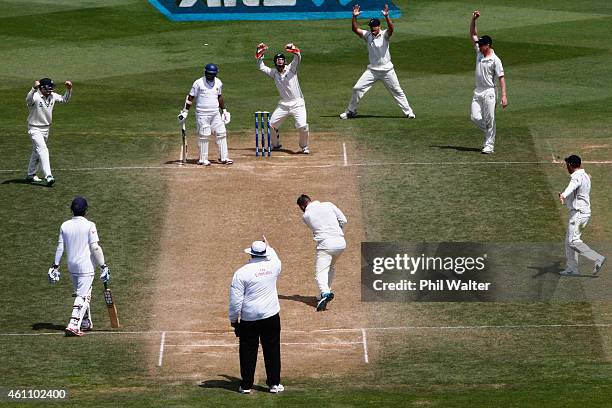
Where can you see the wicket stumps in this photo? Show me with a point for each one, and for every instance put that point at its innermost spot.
(262, 129)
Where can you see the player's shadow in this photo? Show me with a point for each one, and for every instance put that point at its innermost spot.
(189, 161)
(252, 150)
(458, 148)
(47, 326)
(307, 300)
(24, 181)
(360, 116)
(554, 269)
(230, 383)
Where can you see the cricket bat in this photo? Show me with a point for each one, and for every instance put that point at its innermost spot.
(183, 158)
(110, 305)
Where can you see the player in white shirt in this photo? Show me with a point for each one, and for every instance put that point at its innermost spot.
(291, 101)
(207, 92)
(79, 237)
(488, 67)
(576, 198)
(326, 222)
(41, 100)
(254, 300)
(380, 67)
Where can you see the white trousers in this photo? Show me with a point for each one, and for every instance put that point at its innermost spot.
(82, 287)
(325, 267)
(297, 109)
(40, 153)
(483, 115)
(574, 246)
(389, 79)
(206, 125)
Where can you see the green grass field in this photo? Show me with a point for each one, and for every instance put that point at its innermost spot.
(131, 69)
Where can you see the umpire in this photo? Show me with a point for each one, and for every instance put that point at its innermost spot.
(254, 299)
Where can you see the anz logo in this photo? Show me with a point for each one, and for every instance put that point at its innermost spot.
(210, 10)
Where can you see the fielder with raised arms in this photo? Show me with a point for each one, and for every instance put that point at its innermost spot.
(79, 237)
(292, 101)
(41, 100)
(488, 67)
(380, 67)
(207, 92)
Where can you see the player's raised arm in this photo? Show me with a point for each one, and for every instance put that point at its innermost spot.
(356, 29)
(259, 54)
(297, 56)
(385, 12)
(67, 95)
(473, 31)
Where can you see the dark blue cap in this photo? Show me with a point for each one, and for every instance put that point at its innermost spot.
(79, 206)
(374, 22)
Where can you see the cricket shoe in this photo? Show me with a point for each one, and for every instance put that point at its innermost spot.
(203, 163)
(227, 162)
(70, 332)
(277, 148)
(50, 181)
(305, 150)
(488, 150)
(411, 115)
(568, 272)
(243, 391)
(86, 325)
(598, 266)
(275, 389)
(325, 299)
(348, 115)
(33, 179)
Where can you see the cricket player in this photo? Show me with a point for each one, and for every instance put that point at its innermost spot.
(254, 300)
(327, 223)
(380, 67)
(292, 101)
(488, 67)
(80, 239)
(576, 198)
(207, 92)
(41, 100)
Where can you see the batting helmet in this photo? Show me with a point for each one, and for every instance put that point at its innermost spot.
(211, 69)
(46, 84)
(279, 56)
(79, 206)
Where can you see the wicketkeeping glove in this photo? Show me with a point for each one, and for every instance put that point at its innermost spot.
(226, 117)
(104, 273)
(261, 49)
(183, 115)
(292, 48)
(54, 274)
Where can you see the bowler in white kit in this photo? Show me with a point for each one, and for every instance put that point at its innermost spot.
(292, 101)
(207, 92)
(380, 67)
(79, 238)
(41, 100)
(326, 222)
(488, 68)
(576, 197)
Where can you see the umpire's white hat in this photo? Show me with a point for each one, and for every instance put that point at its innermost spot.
(258, 248)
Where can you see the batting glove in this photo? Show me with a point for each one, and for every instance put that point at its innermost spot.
(54, 274)
(183, 115)
(226, 117)
(104, 273)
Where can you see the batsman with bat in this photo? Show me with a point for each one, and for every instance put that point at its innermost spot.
(292, 101)
(79, 237)
(207, 93)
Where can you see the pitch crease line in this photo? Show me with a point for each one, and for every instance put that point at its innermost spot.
(342, 343)
(365, 346)
(161, 349)
(344, 154)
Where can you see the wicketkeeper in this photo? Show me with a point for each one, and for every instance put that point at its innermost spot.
(207, 91)
(80, 239)
(291, 99)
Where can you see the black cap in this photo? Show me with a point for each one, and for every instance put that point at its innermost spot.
(485, 40)
(573, 160)
(79, 206)
(374, 22)
(279, 56)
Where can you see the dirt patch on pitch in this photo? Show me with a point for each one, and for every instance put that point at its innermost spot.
(212, 214)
